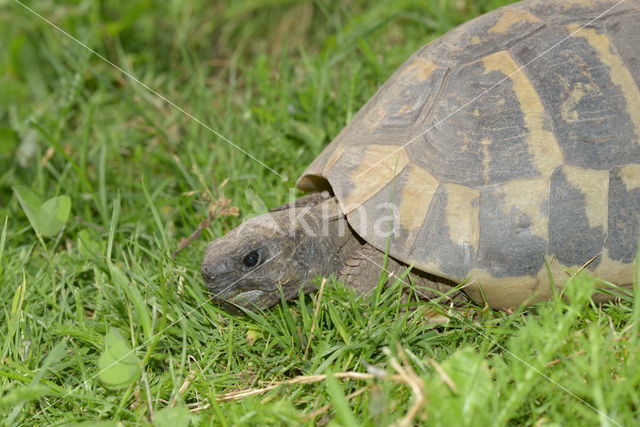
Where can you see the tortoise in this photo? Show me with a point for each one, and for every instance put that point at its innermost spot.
(501, 155)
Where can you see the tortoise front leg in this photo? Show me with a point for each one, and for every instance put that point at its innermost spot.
(362, 273)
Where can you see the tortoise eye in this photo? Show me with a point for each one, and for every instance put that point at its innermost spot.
(251, 259)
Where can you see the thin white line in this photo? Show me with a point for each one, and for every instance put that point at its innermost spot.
(489, 89)
(168, 101)
(560, 386)
(281, 176)
(85, 382)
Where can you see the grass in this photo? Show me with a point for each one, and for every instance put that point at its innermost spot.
(280, 79)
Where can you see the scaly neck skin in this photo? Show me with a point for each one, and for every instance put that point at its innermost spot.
(331, 244)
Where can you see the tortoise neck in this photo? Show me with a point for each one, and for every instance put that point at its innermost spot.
(332, 241)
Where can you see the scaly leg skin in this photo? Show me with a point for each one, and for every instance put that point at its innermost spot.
(362, 272)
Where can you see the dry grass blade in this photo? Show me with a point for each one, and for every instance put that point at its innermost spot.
(219, 208)
(186, 241)
(325, 408)
(306, 379)
(586, 264)
(444, 376)
(183, 388)
(409, 377)
(405, 374)
(303, 379)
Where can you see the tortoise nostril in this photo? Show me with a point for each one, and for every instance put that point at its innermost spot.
(205, 272)
(210, 271)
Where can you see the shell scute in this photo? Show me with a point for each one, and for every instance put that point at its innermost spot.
(510, 142)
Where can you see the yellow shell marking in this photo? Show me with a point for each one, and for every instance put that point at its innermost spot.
(463, 211)
(333, 158)
(529, 197)
(594, 186)
(619, 73)
(511, 17)
(417, 194)
(379, 165)
(513, 291)
(419, 68)
(630, 175)
(613, 271)
(568, 111)
(500, 292)
(542, 144)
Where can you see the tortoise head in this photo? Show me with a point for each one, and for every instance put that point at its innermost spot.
(252, 264)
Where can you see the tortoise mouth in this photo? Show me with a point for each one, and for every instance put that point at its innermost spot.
(250, 296)
(252, 300)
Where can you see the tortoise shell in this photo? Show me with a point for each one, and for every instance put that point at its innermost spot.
(511, 142)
